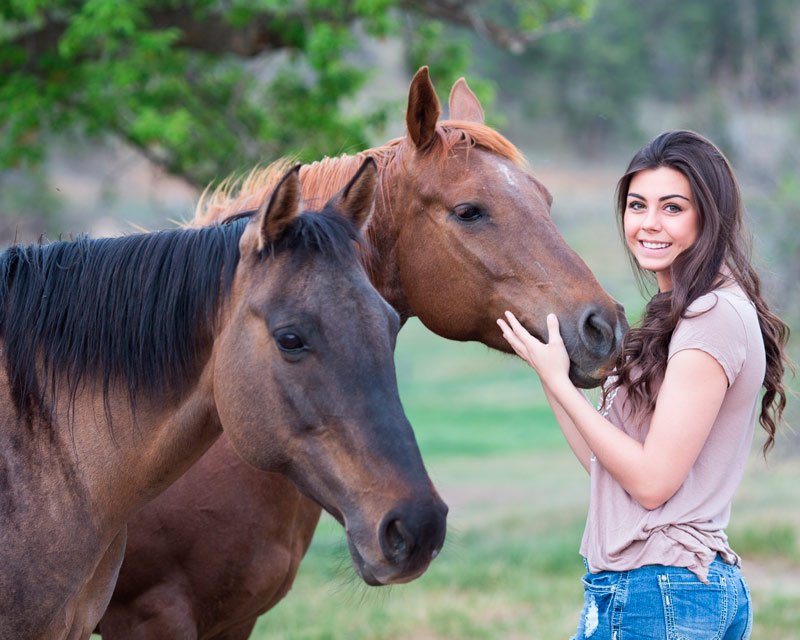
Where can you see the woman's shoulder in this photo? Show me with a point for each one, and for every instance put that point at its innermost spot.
(723, 311)
(721, 323)
(727, 301)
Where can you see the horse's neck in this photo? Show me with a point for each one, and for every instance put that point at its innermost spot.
(322, 179)
(172, 438)
(125, 464)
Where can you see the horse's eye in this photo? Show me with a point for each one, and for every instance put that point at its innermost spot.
(290, 342)
(468, 213)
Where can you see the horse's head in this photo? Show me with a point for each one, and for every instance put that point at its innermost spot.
(477, 238)
(304, 379)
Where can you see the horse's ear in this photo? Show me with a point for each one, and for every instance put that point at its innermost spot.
(283, 206)
(355, 199)
(423, 110)
(464, 104)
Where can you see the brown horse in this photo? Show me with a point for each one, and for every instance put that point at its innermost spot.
(461, 231)
(125, 358)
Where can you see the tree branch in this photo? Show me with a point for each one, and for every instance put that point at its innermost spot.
(214, 34)
(466, 14)
(268, 32)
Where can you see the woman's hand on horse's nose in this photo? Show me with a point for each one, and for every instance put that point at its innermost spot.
(550, 359)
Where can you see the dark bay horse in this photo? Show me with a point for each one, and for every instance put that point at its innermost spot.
(461, 231)
(125, 358)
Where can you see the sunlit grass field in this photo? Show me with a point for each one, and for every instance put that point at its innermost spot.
(510, 568)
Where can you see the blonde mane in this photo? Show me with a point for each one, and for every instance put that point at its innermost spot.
(323, 178)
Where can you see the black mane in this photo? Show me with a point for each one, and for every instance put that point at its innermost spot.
(325, 232)
(139, 310)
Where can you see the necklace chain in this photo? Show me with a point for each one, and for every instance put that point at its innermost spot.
(610, 400)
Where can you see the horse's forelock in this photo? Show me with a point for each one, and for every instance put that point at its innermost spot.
(453, 133)
(323, 232)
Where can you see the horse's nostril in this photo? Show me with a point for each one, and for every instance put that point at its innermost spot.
(398, 542)
(592, 332)
(596, 333)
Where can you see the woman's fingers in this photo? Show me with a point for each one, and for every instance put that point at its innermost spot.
(521, 332)
(553, 329)
(523, 343)
(515, 324)
(512, 338)
(550, 358)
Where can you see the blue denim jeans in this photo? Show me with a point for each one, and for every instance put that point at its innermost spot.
(666, 603)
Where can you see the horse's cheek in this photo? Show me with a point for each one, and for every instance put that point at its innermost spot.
(240, 394)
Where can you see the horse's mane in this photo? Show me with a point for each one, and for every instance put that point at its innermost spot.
(136, 310)
(323, 178)
(326, 232)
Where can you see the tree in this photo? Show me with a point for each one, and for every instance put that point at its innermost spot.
(172, 78)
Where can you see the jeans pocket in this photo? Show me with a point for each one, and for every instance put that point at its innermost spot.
(694, 610)
(599, 590)
(604, 581)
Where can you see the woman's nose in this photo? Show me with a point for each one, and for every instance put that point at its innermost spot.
(651, 220)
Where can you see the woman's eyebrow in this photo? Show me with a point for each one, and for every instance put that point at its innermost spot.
(661, 199)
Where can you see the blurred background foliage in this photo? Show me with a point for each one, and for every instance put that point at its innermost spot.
(202, 87)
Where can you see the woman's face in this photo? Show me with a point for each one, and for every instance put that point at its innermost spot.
(660, 220)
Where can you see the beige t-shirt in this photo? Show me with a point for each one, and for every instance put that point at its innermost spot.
(688, 529)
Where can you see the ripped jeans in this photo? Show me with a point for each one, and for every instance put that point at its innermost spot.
(656, 602)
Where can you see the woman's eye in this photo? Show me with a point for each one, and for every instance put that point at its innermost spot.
(468, 213)
(672, 208)
(635, 206)
(290, 342)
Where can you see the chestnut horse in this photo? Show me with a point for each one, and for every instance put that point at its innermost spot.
(125, 358)
(461, 232)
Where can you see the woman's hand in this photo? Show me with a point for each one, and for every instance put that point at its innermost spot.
(550, 359)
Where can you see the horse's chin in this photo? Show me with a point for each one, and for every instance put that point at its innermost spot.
(584, 380)
(363, 569)
(369, 573)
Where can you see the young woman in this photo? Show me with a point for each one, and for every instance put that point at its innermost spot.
(667, 449)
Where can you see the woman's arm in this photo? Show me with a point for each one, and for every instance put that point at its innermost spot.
(575, 440)
(688, 402)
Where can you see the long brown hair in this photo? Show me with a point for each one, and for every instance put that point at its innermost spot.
(722, 245)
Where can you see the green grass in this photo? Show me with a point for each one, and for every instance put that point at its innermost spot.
(510, 568)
